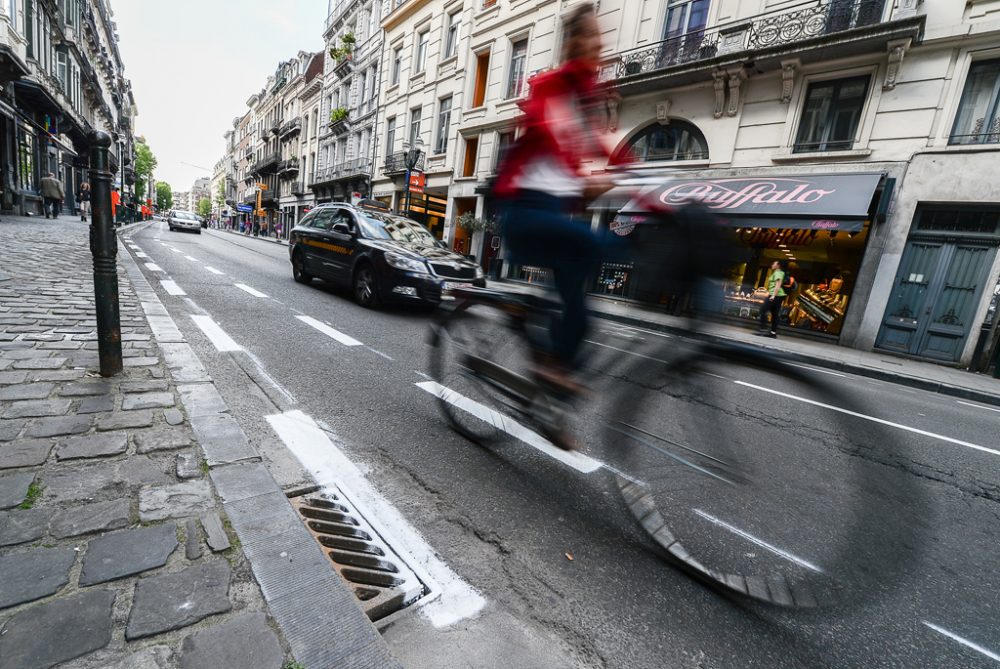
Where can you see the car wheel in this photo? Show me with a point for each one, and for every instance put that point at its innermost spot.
(366, 286)
(197, 232)
(299, 272)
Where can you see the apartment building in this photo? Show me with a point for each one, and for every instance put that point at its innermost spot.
(349, 102)
(62, 77)
(294, 134)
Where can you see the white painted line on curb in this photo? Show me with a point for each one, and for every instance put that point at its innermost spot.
(965, 642)
(873, 419)
(578, 461)
(172, 288)
(213, 270)
(760, 542)
(329, 466)
(248, 289)
(977, 406)
(346, 340)
(153, 267)
(215, 334)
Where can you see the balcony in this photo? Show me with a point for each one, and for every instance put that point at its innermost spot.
(396, 163)
(340, 121)
(291, 128)
(288, 169)
(299, 188)
(344, 66)
(264, 135)
(267, 164)
(359, 167)
(805, 31)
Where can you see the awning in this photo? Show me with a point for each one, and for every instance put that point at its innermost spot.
(810, 202)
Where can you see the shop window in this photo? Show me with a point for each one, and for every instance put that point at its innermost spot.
(678, 140)
(482, 76)
(518, 65)
(471, 154)
(978, 118)
(832, 114)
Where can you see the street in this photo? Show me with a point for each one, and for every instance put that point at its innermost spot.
(505, 521)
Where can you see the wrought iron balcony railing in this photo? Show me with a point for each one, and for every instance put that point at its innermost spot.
(809, 20)
(290, 128)
(267, 163)
(395, 163)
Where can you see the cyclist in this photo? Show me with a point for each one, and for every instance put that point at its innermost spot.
(541, 186)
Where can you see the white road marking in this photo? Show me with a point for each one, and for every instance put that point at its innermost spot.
(215, 334)
(576, 460)
(153, 267)
(454, 600)
(965, 642)
(172, 288)
(213, 270)
(652, 332)
(622, 350)
(346, 340)
(140, 254)
(176, 250)
(816, 369)
(191, 259)
(760, 542)
(248, 289)
(379, 353)
(873, 419)
(977, 406)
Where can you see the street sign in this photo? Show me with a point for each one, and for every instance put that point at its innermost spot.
(417, 183)
(245, 208)
(262, 186)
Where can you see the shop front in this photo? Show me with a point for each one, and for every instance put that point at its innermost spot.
(817, 224)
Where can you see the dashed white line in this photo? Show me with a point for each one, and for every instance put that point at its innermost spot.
(816, 369)
(622, 350)
(576, 460)
(977, 406)
(376, 352)
(191, 259)
(222, 341)
(176, 250)
(873, 419)
(965, 642)
(140, 254)
(213, 270)
(760, 542)
(330, 332)
(172, 288)
(153, 267)
(248, 289)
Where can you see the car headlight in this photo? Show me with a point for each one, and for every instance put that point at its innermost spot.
(408, 264)
(480, 274)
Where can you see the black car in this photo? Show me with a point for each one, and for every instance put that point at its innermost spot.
(383, 257)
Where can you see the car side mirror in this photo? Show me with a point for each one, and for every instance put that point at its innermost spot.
(341, 228)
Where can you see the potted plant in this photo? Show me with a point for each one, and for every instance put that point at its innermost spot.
(338, 114)
(468, 221)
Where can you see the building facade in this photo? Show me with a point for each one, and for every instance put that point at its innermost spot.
(62, 78)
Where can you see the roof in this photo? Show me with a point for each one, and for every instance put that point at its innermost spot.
(315, 67)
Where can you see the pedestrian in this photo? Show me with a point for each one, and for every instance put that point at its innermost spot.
(52, 195)
(772, 303)
(83, 200)
(116, 200)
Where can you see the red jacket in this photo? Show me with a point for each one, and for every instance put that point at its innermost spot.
(571, 93)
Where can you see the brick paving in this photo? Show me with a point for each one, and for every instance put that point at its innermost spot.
(114, 549)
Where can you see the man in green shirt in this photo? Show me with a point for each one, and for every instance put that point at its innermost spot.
(772, 303)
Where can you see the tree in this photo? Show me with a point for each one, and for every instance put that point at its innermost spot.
(204, 207)
(145, 163)
(164, 196)
(220, 196)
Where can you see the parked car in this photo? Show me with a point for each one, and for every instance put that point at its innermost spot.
(382, 257)
(179, 219)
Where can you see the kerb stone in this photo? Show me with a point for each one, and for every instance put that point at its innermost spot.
(38, 573)
(246, 642)
(170, 601)
(188, 498)
(125, 553)
(58, 631)
(96, 517)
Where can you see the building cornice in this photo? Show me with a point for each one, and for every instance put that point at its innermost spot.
(403, 12)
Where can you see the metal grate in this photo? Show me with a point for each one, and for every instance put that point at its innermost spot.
(378, 576)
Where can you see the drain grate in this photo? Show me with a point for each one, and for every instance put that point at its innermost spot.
(379, 578)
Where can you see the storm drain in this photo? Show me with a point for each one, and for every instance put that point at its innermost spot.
(378, 576)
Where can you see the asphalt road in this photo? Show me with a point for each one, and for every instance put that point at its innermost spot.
(504, 519)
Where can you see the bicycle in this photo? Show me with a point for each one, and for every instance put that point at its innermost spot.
(785, 520)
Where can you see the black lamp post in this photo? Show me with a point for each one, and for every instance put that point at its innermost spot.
(411, 157)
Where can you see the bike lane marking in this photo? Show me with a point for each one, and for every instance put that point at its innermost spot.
(578, 461)
(336, 335)
(222, 341)
(965, 642)
(248, 289)
(213, 270)
(760, 542)
(977, 406)
(171, 287)
(153, 267)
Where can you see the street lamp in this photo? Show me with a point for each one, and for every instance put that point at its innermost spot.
(411, 156)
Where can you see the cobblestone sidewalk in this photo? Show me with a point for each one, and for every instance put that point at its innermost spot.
(114, 550)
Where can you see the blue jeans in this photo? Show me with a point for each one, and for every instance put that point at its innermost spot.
(540, 230)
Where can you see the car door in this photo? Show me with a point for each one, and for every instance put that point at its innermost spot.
(314, 241)
(342, 244)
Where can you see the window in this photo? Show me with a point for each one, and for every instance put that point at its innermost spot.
(504, 142)
(12, 13)
(832, 114)
(518, 61)
(397, 64)
(414, 126)
(685, 16)
(390, 135)
(451, 38)
(420, 61)
(482, 78)
(978, 118)
(471, 154)
(679, 140)
(321, 220)
(444, 123)
(62, 73)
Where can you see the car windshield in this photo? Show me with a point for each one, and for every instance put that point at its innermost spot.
(377, 225)
(186, 215)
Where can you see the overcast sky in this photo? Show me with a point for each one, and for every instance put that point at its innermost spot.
(194, 63)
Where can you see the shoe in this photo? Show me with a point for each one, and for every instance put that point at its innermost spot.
(772, 335)
(558, 378)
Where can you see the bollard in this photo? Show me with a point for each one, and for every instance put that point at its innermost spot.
(104, 247)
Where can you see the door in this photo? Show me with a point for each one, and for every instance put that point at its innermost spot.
(935, 295)
(313, 234)
(341, 244)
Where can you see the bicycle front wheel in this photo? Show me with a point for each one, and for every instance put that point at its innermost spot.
(762, 479)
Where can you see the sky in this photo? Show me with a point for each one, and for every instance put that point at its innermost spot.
(194, 63)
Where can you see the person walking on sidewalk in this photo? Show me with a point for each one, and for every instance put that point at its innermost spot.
(773, 301)
(83, 199)
(52, 195)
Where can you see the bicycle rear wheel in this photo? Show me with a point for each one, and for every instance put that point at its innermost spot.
(762, 479)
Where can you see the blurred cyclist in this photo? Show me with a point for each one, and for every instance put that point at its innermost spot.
(541, 187)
